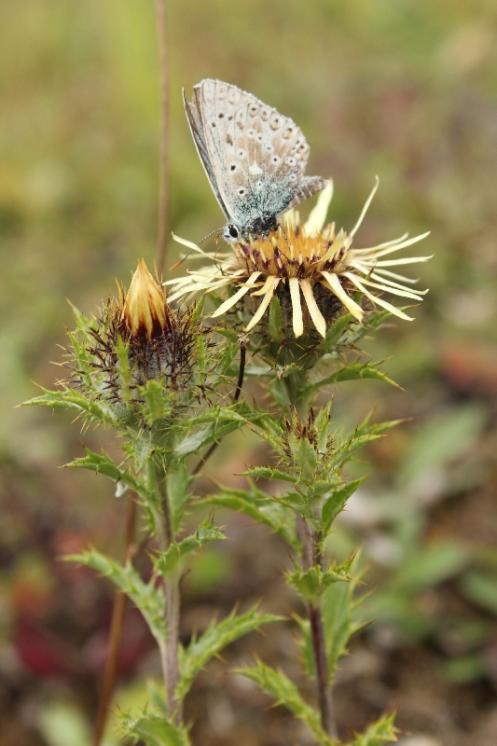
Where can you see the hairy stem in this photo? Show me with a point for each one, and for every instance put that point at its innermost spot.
(162, 240)
(238, 390)
(115, 634)
(311, 555)
(169, 649)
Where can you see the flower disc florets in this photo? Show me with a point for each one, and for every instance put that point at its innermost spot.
(302, 261)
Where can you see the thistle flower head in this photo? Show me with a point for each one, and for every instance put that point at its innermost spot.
(139, 338)
(307, 262)
(144, 308)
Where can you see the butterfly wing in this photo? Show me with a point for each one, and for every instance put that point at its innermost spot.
(195, 121)
(244, 143)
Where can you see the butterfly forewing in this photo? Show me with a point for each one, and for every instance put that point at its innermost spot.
(254, 156)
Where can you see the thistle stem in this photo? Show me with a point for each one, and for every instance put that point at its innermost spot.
(238, 390)
(169, 647)
(115, 634)
(311, 555)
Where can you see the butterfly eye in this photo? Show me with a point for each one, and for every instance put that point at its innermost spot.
(233, 231)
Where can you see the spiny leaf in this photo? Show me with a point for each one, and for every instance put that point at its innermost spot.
(380, 732)
(213, 425)
(351, 372)
(166, 562)
(312, 583)
(339, 620)
(178, 481)
(335, 503)
(67, 398)
(260, 507)
(155, 731)
(364, 433)
(268, 472)
(100, 463)
(338, 606)
(146, 597)
(278, 685)
(213, 640)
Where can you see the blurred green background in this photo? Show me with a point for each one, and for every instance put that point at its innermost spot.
(406, 89)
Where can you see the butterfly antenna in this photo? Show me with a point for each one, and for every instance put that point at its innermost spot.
(217, 233)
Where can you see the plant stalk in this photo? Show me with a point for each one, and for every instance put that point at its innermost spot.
(163, 207)
(170, 648)
(238, 390)
(311, 555)
(115, 634)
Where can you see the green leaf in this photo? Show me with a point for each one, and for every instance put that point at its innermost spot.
(178, 482)
(275, 683)
(166, 562)
(335, 503)
(312, 583)
(146, 597)
(100, 463)
(442, 440)
(262, 508)
(155, 731)
(69, 399)
(304, 457)
(467, 669)
(157, 401)
(335, 332)
(481, 588)
(213, 425)
(380, 732)
(268, 472)
(364, 433)
(213, 640)
(275, 320)
(351, 372)
(339, 621)
(432, 565)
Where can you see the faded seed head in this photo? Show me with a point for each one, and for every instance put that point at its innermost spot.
(144, 309)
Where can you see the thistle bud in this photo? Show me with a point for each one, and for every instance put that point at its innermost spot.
(139, 338)
(145, 310)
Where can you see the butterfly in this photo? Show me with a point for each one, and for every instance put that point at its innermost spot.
(254, 157)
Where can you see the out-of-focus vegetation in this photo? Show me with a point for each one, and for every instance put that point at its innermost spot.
(405, 89)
